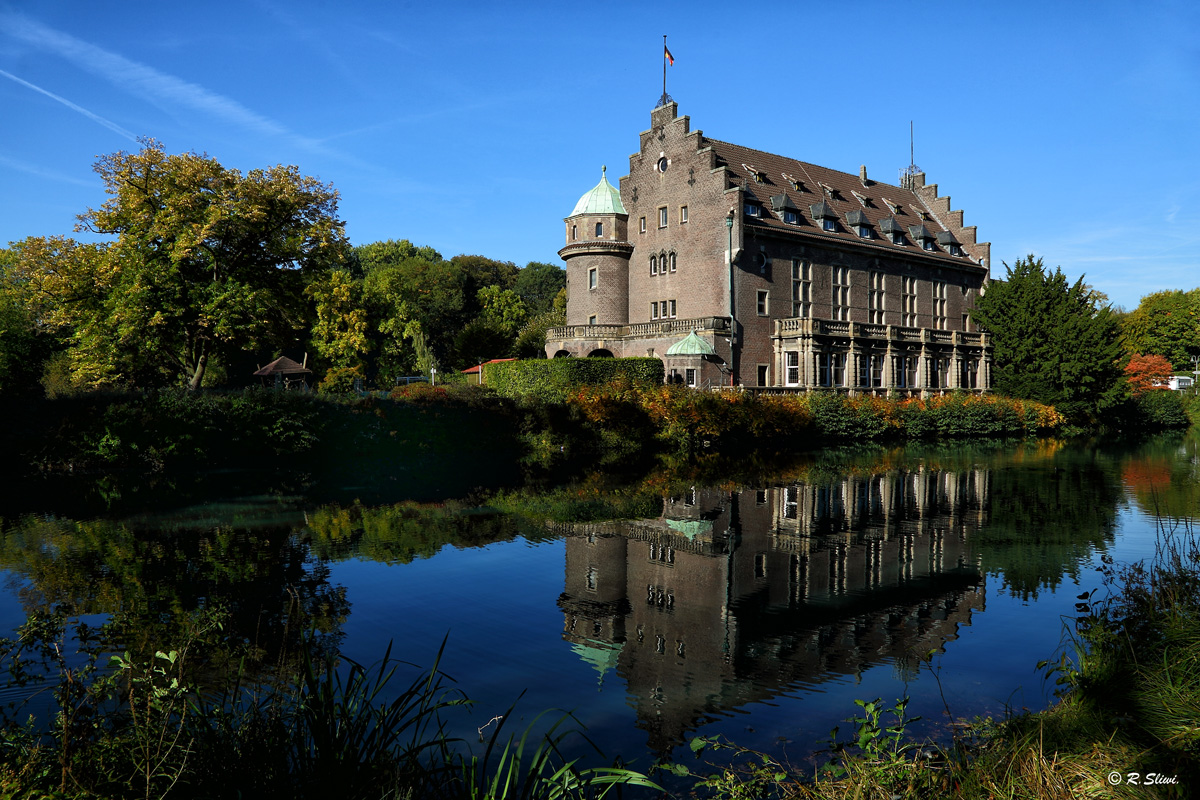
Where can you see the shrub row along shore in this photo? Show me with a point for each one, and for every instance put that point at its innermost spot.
(620, 412)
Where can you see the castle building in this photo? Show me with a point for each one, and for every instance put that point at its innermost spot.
(739, 267)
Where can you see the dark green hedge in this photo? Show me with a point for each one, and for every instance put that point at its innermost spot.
(551, 379)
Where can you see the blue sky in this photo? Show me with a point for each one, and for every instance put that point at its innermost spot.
(1066, 129)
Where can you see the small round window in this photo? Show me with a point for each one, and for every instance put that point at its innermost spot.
(662, 164)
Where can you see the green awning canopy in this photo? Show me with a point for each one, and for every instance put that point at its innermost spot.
(691, 345)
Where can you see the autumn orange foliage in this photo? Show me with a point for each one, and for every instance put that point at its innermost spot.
(1147, 373)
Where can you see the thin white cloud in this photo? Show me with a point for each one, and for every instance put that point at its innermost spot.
(36, 171)
(112, 126)
(141, 79)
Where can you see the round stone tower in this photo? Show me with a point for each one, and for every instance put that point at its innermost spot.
(597, 255)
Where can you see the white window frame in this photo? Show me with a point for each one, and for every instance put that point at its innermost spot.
(801, 289)
(840, 295)
(876, 297)
(940, 321)
(653, 309)
(671, 258)
(593, 278)
(908, 302)
(653, 265)
(791, 362)
(662, 217)
(599, 230)
(642, 225)
(683, 215)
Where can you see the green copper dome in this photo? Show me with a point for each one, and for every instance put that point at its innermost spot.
(691, 345)
(603, 199)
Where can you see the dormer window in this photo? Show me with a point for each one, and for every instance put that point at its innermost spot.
(782, 205)
(895, 207)
(795, 183)
(921, 213)
(859, 222)
(824, 212)
(862, 199)
(928, 245)
(946, 239)
(892, 229)
(922, 235)
(756, 173)
(752, 210)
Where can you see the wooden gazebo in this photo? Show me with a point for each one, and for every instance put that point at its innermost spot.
(285, 373)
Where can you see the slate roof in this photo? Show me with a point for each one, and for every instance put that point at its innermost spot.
(844, 196)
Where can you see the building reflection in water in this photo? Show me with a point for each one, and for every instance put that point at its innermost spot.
(730, 598)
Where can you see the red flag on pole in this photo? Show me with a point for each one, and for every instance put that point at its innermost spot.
(670, 57)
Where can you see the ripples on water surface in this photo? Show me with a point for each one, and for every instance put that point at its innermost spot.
(658, 611)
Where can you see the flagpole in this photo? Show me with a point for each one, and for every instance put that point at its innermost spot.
(664, 68)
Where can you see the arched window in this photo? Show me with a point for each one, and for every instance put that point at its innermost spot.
(672, 262)
(653, 265)
(599, 229)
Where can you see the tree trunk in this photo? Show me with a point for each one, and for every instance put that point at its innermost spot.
(198, 375)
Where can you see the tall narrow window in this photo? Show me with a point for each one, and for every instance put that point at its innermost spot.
(682, 214)
(663, 309)
(593, 278)
(876, 298)
(653, 265)
(838, 368)
(792, 363)
(654, 310)
(939, 305)
(672, 260)
(574, 232)
(801, 289)
(662, 217)
(877, 370)
(599, 229)
(831, 369)
(841, 293)
(671, 308)
(642, 225)
(970, 373)
(762, 302)
(592, 319)
(908, 298)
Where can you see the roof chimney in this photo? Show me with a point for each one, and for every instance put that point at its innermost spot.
(862, 174)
